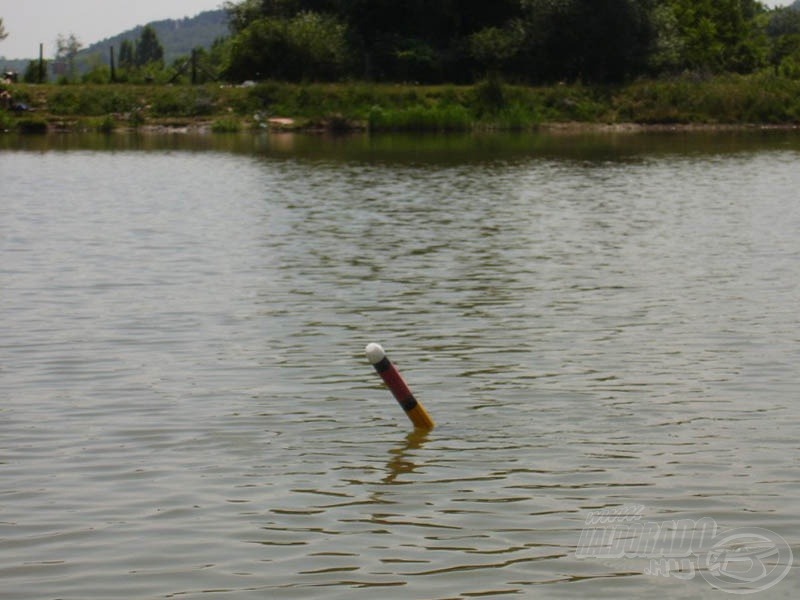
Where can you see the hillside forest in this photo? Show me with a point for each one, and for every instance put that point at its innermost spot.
(523, 41)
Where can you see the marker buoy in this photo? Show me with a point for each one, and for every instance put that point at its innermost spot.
(393, 379)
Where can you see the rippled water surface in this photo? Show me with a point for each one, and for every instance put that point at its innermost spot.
(186, 410)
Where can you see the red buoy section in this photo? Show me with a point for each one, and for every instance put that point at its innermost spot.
(392, 378)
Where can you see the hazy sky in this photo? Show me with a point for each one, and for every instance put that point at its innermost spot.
(31, 22)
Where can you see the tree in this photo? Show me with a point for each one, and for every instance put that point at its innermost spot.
(67, 48)
(242, 14)
(528, 40)
(668, 44)
(34, 72)
(3, 33)
(425, 41)
(495, 47)
(593, 40)
(148, 48)
(308, 45)
(126, 54)
(718, 35)
(258, 51)
(318, 46)
(783, 21)
(783, 31)
(142, 58)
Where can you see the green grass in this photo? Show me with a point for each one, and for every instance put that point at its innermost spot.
(226, 125)
(106, 124)
(728, 99)
(7, 122)
(418, 117)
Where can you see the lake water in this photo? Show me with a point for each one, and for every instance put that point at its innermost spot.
(595, 322)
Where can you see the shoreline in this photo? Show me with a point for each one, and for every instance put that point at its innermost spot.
(287, 125)
(577, 127)
(726, 103)
(554, 128)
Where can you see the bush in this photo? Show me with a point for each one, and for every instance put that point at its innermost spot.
(420, 118)
(35, 125)
(490, 97)
(98, 74)
(308, 46)
(35, 72)
(761, 98)
(517, 117)
(89, 100)
(6, 121)
(136, 118)
(267, 93)
(106, 124)
(169, 103)
(226, 125)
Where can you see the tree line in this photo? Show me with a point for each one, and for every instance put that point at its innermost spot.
(527, 41)
(139, 53)
(134, 59)
(462, 41)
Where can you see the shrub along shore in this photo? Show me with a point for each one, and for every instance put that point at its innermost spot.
(686, 101)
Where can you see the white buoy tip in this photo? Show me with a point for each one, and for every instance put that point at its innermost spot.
(375, 353)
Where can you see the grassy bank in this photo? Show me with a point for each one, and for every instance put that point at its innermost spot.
(727, 100)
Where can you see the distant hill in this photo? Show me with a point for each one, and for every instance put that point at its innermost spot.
(17, 65)
(178, 37)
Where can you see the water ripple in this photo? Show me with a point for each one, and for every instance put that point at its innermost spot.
(187, 411)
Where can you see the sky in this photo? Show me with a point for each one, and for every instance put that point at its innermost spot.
(31, 22)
